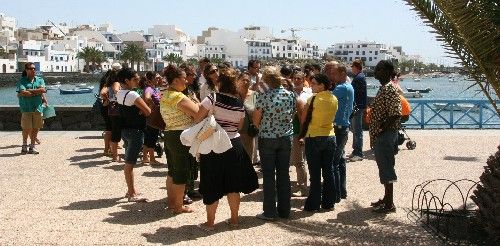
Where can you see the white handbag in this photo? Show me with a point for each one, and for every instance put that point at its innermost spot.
(209, 125)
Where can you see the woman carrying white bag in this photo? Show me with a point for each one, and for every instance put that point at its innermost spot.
(230, 172)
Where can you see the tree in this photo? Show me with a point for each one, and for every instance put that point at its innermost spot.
(3, 54)
(134, 53)
(470, 32)
(173, 58)
(91, 55)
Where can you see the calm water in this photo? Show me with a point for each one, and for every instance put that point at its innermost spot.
(442, 88)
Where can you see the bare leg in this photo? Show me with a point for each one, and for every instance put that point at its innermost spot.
(234, 205)
(26, 133)
(152, 158)
(33, 136)
(107, 140)
(114, 150)
(145, 158)
(211, 210)
(178, 191)
(129, 178)
(170, 193)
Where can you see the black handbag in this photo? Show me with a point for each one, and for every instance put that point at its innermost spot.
(252, 130)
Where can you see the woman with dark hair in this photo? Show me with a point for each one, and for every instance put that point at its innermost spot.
(103, 92)
(178, 112)
(151, 96)
(211, 73)
(133, 113)
(248, 96)
(273, 115)
(113, 86)
(229, 173)
(385, 122)
(317, 129)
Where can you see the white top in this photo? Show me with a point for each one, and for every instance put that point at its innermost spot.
(131, 97)
(202, 80)
(305, 94)
(205, 91)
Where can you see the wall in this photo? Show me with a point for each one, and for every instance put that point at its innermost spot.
(79, 118)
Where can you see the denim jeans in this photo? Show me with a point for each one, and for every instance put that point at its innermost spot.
(357, 133)
(339, 168)
(384, 156)
(275, 160)
(133, 140)
(319, 154)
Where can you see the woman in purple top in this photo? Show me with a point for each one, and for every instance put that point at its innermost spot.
(152, 98)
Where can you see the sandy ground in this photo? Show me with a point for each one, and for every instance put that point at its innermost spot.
(69, 194)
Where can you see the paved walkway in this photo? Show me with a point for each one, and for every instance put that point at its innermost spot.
(69, 194)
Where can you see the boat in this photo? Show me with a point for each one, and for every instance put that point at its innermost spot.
(426, 90)
(414, 94)
(452, 80)
(457, 107)
(52, 87)
(416, 79)
(77, 90)
(372, 86)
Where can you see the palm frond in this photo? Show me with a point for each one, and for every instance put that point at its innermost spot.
(470, 32)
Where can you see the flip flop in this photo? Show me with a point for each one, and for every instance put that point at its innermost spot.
(137, 198)
(205, 227)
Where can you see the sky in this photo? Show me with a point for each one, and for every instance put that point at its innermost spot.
(384, 21)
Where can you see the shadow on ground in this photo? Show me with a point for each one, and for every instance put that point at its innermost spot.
(89, 149)
(461, 158)
(357, 226)
(169, 235)
(92, 204)
(10, 146)
(140, 213)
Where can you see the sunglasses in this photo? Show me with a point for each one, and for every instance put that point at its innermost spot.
(213, 71)
(31, 68)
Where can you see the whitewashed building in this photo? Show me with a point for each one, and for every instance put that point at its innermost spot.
(8, 66)
(8, 28)
(369, 52)
(259, 49)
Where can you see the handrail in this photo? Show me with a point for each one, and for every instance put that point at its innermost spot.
(452, 114)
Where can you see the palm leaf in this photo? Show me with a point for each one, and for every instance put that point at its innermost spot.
(470, 32)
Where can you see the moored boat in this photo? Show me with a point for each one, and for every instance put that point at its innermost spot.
(415, 94)
(457, 107)
(426, 90)
(78, 90)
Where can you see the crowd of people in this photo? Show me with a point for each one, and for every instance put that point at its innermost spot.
(274, 119)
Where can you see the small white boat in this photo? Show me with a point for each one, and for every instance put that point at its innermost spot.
(52, 87)
(371, 86)
(452, 80)
(457, 107)
(414, 94)
(416, 79)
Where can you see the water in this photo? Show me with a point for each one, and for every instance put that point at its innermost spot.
(8, 96)
(442, 88)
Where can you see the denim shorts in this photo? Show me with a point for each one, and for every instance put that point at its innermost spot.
(384, 156)
(133, 139)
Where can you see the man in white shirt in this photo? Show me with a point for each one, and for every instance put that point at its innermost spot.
(201, 66)
(256, 77)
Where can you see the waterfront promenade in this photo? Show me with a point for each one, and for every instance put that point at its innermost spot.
(70, 195)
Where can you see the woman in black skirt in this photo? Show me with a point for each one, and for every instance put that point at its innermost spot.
(231, 172)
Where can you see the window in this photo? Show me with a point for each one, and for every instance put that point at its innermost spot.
(283, 55)
(370, 51)
(350, 51)
(215, 48)
(223, 56)
(357, 52)
(350, 58)
(358, 46)
(363, 58)
(364, 45)
(376, 52)
(57, 67)
(363, 52)
(370, 58)
(221, 48)
(283, 48)
(290, 55)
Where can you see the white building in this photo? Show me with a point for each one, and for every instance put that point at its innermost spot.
(224, 44)
(8, 66)
(259, 49)
(8, 28)
(169, 31)
(369, 52)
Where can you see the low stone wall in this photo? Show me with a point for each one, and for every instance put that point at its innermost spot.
(10, 79)
(67, 118)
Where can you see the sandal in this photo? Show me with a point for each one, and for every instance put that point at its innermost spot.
(206, 228)
(136, 198)
(377, 203)
(183, 209)
(384, 209)
(228, 222)
(187, 200)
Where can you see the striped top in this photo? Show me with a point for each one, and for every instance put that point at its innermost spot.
(228, 112)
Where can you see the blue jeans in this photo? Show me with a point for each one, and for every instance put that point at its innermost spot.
(319, 154)
(339, 168)
(384, 156)
(275, 160)
(357, 133)
(133, 140)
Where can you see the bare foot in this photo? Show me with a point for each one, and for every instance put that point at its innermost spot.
(183, 209)
(37, 141)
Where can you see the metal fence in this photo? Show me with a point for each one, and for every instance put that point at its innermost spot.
(453, 114)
